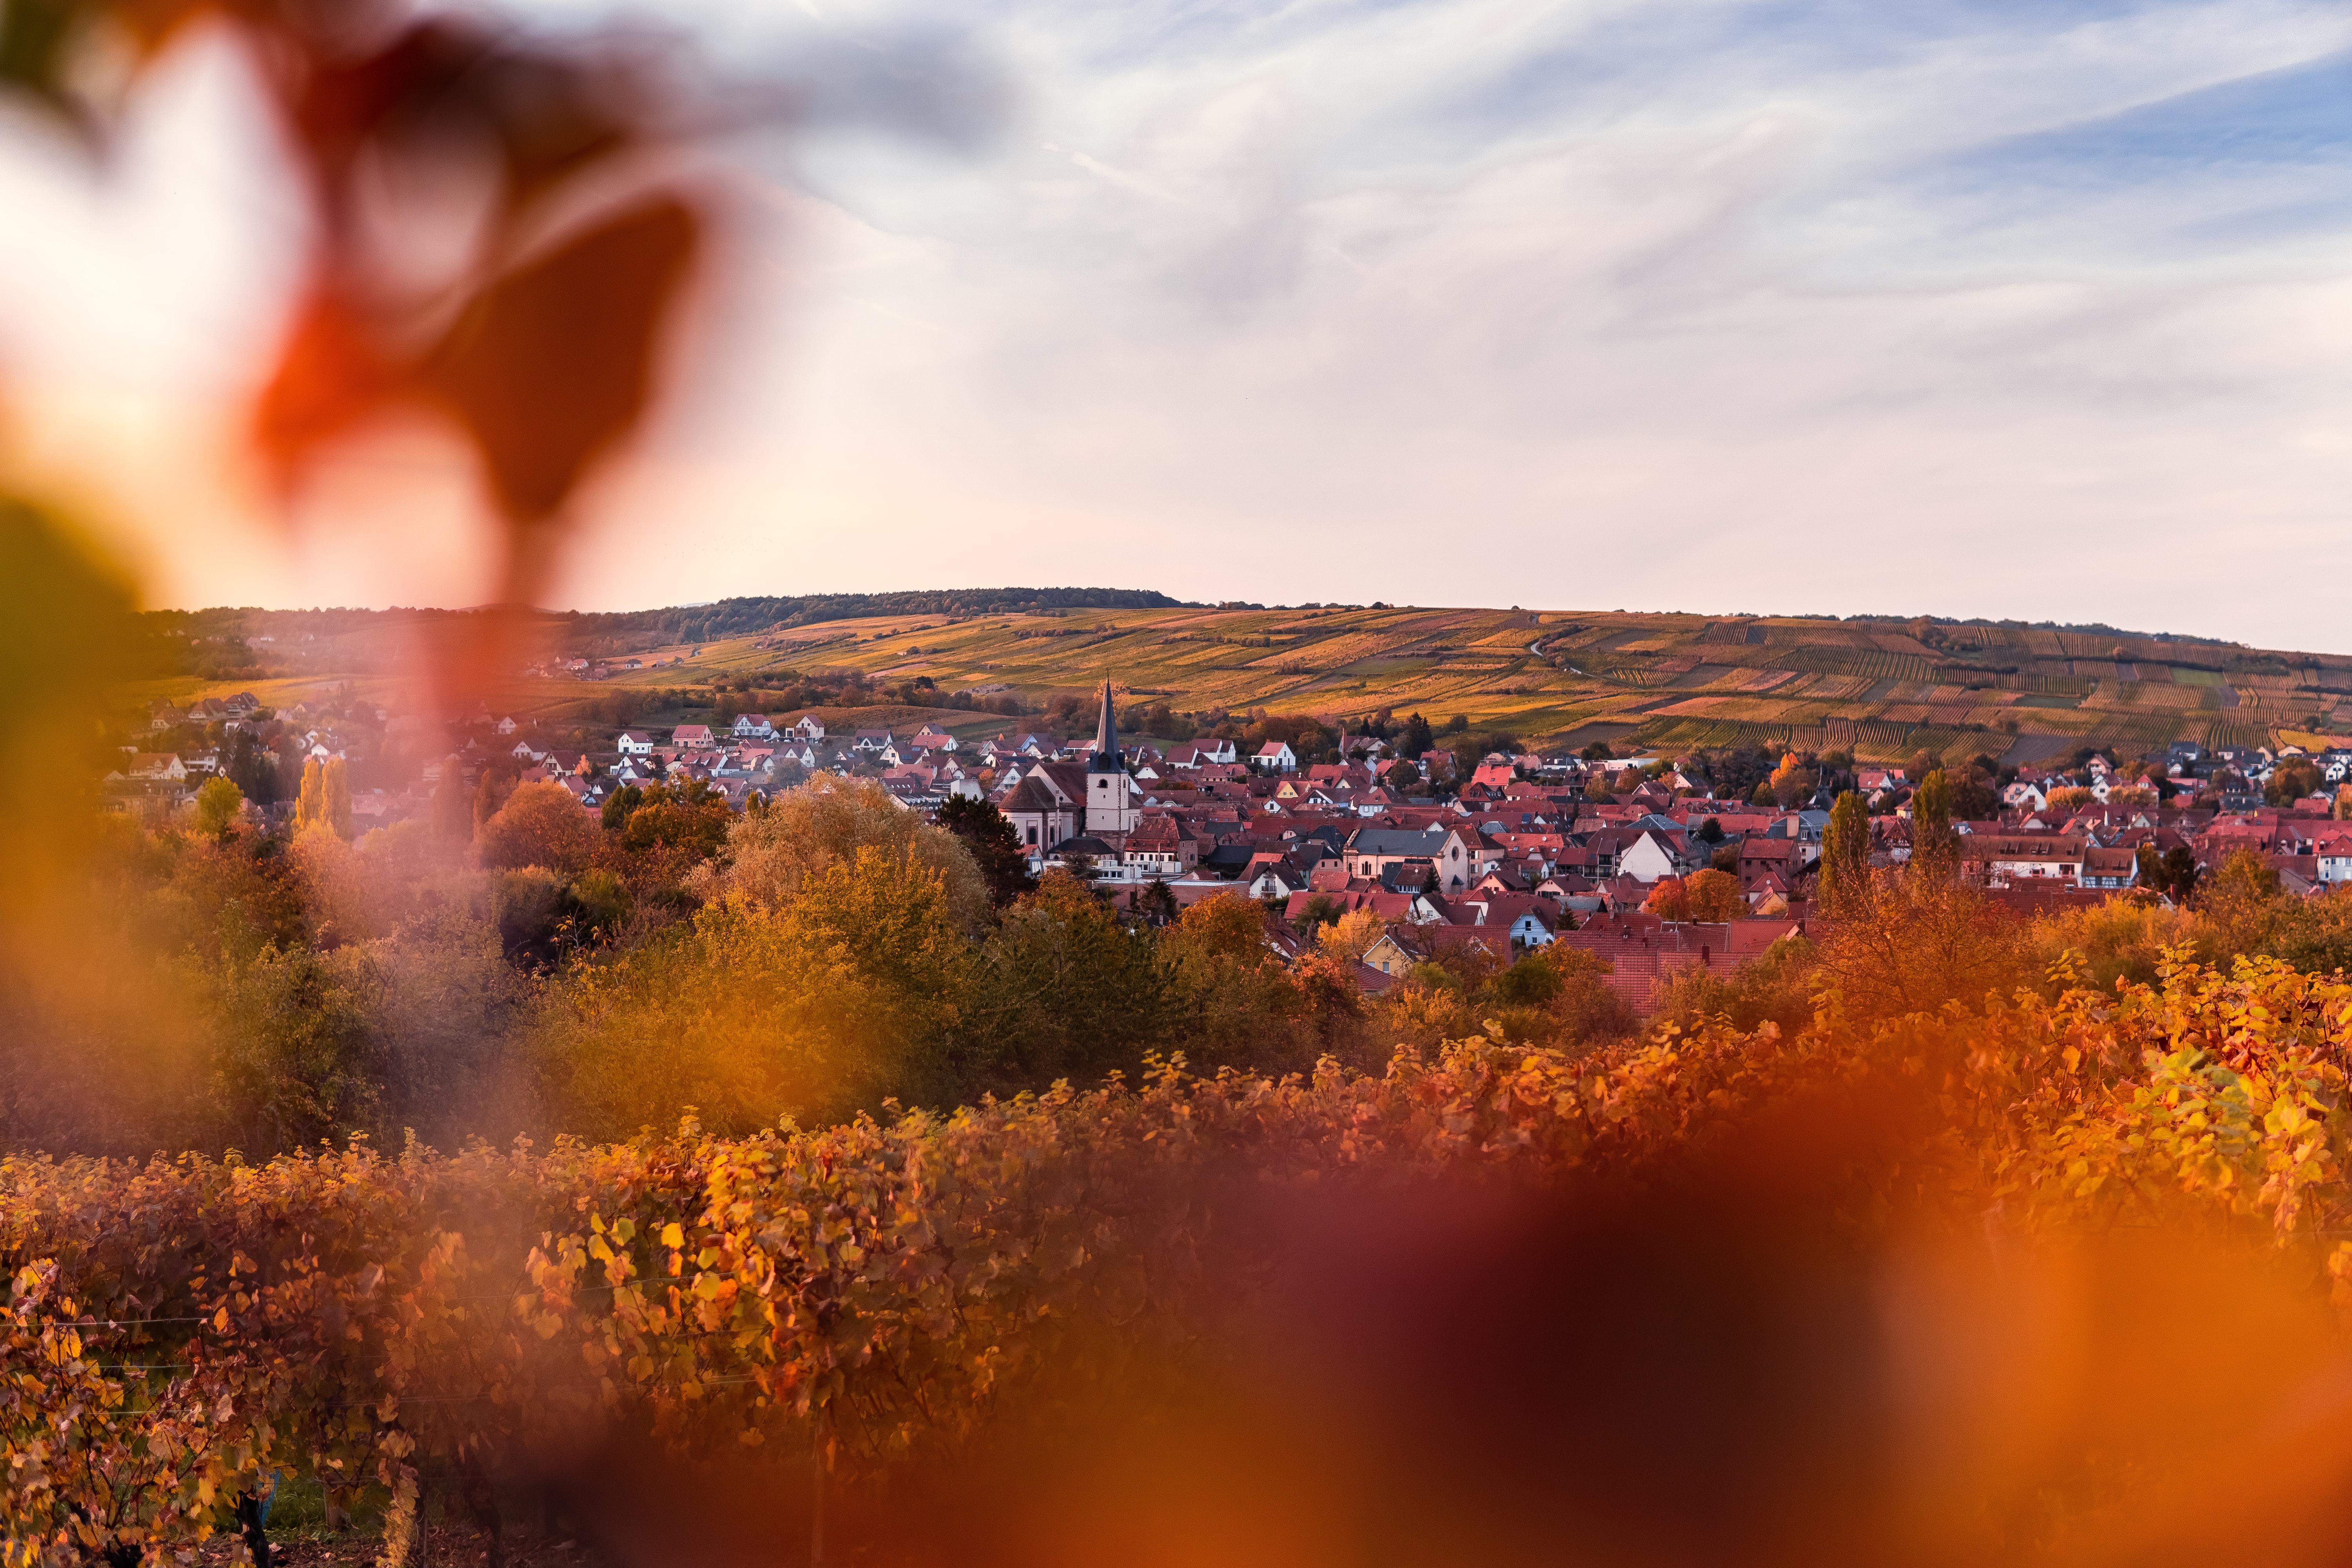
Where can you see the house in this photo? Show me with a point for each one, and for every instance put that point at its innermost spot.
(1276, 756)
(631, 744)
(808, 727)
(1160, 846)
(930, 738)
(156, 767)
(1652, 854)
(1459, 855)
(2114, 868)
(506, 726)
(2002, 858)
(1526, 919)
(870, 740)
(691, 737)
(753, 727)
(2024, 796)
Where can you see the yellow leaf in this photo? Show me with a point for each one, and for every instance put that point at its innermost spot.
(672, 1236)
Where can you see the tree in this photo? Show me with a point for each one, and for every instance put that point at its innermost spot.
(687, 818)
(1596, 751)
(1973, 797)
(1935, 843)
(1402, 777)
(2290, 782)
(218, 806)
(1845, 856)
(498, 781)
(1352, 934)
(335, 797)
(1705, 897)
(540, 825)
(1062, 989)
(253, 769)
(2172, 872)
(1416, 738)
(1318, 911)
(1709, 831)
(1155, 903)
(768, 855)
(995, 847)
(618, 805)
(453, 806)
(310, 804)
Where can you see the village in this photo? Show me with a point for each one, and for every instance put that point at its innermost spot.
(1641, 860)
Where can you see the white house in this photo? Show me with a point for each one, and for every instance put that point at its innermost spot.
(753, 727)
(809, 727)
(1646, 860)
(631, 744)
(1276, 756)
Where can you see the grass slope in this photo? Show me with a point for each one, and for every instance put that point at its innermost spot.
(1882, 688)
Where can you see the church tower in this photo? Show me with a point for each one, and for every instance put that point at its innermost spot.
(1113, 804)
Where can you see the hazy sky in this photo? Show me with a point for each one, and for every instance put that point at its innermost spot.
(2040, 309)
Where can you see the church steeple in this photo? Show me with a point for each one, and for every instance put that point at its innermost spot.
(1113, 804)
(1107, 758)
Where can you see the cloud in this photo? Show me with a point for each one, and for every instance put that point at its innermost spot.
(1972, 308)
(1736, 307)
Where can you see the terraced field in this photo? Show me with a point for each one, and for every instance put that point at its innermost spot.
(1885, 689)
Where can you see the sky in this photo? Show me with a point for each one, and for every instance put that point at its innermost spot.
(2038, 311)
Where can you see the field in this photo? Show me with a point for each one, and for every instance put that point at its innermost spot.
(1647, 681)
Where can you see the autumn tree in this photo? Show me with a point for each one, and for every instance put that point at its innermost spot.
(335, 797)
(768, 855)
(1705, 897)
(538, 825)
(310, 801)
(1352, 934)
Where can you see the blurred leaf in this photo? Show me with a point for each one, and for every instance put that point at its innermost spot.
(552, 364)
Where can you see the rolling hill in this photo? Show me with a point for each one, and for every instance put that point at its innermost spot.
(1882, 688)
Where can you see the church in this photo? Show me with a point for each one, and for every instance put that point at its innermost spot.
(1058, 806)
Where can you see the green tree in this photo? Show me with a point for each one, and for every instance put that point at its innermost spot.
(1935, 843)
(219, 803)
(1062, 989)
(1155, 903)
(1845, 856)
(1402, 777)
(1416, 738)
(618, 805)
(995, 847)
